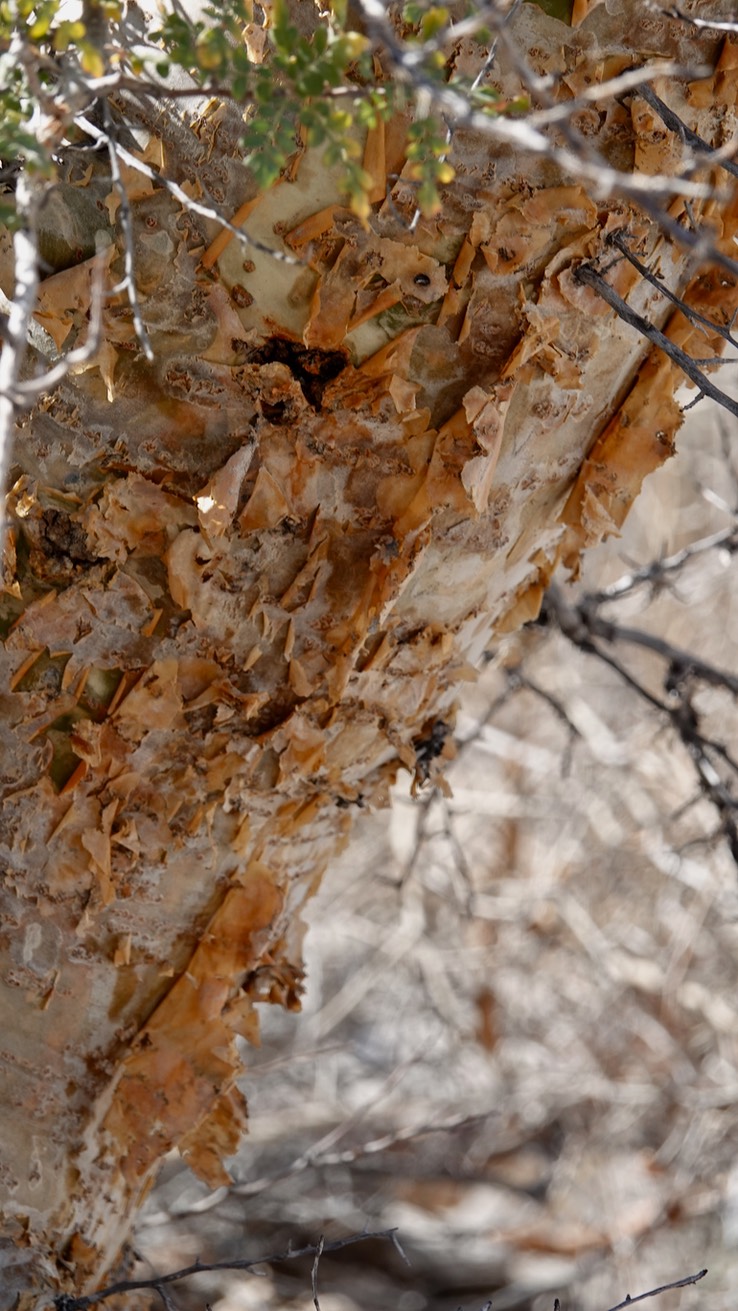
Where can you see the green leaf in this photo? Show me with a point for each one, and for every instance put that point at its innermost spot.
(433, 22)
(561, 9)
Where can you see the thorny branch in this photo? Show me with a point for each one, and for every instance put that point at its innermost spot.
(158, 1283)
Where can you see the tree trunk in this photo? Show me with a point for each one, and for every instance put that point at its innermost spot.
(244, 581)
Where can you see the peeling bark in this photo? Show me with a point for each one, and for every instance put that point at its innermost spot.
(244, 582)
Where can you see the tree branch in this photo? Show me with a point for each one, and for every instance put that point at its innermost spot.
(588, 274)
(66, 1303)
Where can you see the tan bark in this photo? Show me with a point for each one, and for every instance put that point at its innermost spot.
(244, 583)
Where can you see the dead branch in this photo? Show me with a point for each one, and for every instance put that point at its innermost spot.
(158, 1282)
(664, 1288)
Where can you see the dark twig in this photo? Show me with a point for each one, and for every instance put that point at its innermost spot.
(67, 1303)
(588, 274)
(169, 1305)
(656, 571)
(664, 1288)
(682, 663)
(517, 680)
(587, 629)
(619, 241)
(690, 138)
(314, 1272)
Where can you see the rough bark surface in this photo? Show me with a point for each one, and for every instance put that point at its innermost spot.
(244, 582)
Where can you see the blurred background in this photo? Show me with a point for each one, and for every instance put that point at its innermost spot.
(519, 1040)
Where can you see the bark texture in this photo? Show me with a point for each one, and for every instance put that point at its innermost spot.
(244, 582)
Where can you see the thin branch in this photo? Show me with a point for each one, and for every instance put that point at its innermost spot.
(66, 1303)
(128, 283)
(618, 240)
(678, 659)
(166, 1299)
(25, 250)
(319, 1153)
(664, 1288)
(690, 138)
(588, 274)
(631, 80)
(518, 680)
(584, 626)
(319, 1159)
(314, 1272)
(656, 570)
(196, 206)
(676, 12)
(27, 392)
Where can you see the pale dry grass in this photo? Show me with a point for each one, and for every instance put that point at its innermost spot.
(520, 1036)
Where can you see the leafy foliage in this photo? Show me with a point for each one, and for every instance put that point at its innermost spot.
(323, 89)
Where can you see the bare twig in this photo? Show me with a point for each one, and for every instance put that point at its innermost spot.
(588, 274)
(632, 80)
(681, 662)
(656, 571)
(126, 222)
(518, 680)
(314, 1272)
(713, 25)
(619, 241)
(586, 628)
(66, 1303)
(664, 1288)
(196, 206)
(28, 391)
(690, 138)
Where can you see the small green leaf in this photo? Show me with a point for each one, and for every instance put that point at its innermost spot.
(561, 9)
(433, 22)
(66, 33)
